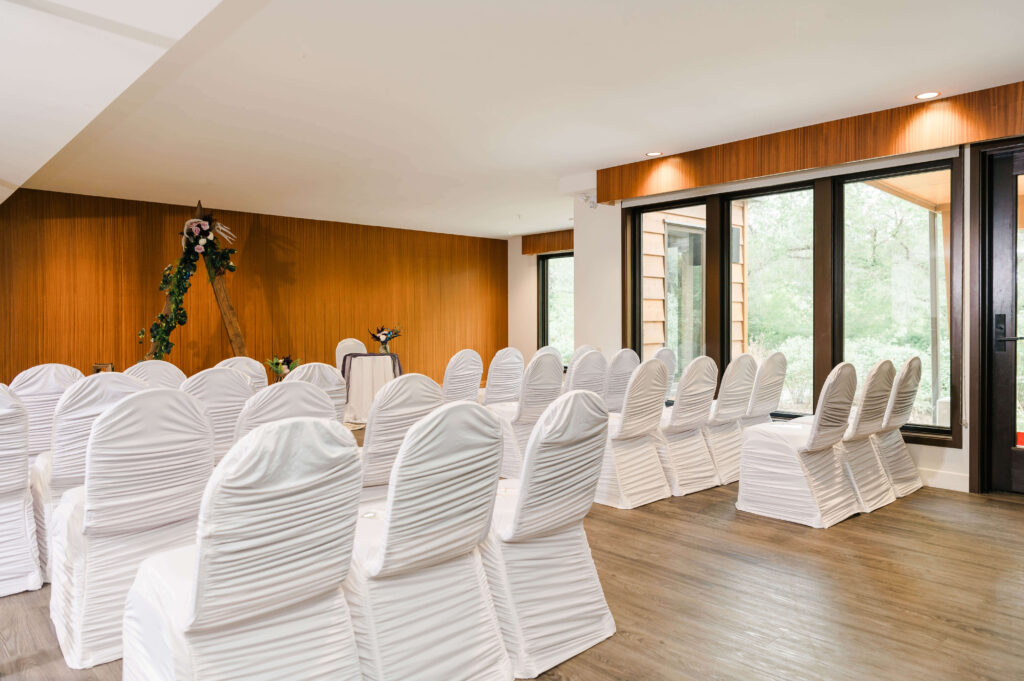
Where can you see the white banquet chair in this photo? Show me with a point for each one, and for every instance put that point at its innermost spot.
(550, 350)
(223, 392)
(462, 376)
(256, 596)
(348, 346)
(504, 376)
(546, 590)
(668, 357)
(682, 448)
(397, 406)
(19, 553)
(248, 366)
(620, 369)
(417, 590)
(856, 451)
(156, 373)
(283, 400)
(328, 379)
(589, 371)
(767, 390)
(542, 384)
(579, 352)
(147, 462)
(888, 442)
(39, 388)
(723, 432)
(62, 467)
(792, 471)
(631, 474)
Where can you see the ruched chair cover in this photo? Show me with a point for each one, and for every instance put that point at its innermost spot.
(542, 384)
(631, 473)
(682, 448)
(579, 352)
(551, 350)
(462, 376)
(397, 406)
(504, 376)
(148, 460)
(723, 432)
(546, 591)
(856, 452)
(347, 347)
(792, 471)
(250, 367)
(256, 596)
(156, 373)
(39, 388)
(767, 390)
(620, 369)
(62, 467)
(328, 379)
(589, 371)
(284, 400)
(19, 557)
(888, 442)
(417, 590)
(223, 392)
(668, 358)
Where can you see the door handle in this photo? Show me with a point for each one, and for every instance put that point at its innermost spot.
(1007, 340)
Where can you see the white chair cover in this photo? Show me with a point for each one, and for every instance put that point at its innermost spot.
(156, 373)
(546, 591)
(589, 371)
(504, 376)
(542, 384)
(579, 352)
(888, 442)
(39, 388)
(856, 452)
(57, 470)
(19, 558)
(256, 597)
(348, 347)
(631, 474)
(421, 606)
(791, 471)
(147, 462)
(767, 391)
(723, 432)
(683, 451)
(397, 406)
(462, 376)
(328, 379)
(283, 401)
(551, 350)
(223, 392)
(668, 357)
(256, 372)
(620, 369)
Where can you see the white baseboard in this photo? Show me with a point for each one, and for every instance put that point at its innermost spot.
(958, 482)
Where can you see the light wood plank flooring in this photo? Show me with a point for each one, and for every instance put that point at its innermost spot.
(930, 587)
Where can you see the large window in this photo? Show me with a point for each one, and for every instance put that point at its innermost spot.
(555, 304)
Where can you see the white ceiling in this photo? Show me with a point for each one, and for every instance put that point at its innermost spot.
(461, 116)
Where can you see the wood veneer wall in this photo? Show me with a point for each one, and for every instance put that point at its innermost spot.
(547, 242)
(79, 277)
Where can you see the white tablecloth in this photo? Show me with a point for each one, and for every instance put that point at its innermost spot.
(367, 374)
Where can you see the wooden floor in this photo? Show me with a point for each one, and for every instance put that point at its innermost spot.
(930, 587)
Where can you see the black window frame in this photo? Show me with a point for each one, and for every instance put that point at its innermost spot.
(542, 293)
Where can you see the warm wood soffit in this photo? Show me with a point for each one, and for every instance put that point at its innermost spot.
(548, 242)
(962, 119)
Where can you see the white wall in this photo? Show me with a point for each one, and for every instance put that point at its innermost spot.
(522, 298)
(597, 247)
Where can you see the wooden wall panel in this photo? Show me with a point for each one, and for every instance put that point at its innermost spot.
(961, 119)
(79, 277)
(548, 242)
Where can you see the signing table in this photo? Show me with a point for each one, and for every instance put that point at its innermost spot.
(365, 374)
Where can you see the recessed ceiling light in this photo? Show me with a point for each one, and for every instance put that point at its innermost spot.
(652, 154)
(928, 95)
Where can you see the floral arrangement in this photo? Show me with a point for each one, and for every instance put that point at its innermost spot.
(282, 365)
(198, 238)
(384, 336)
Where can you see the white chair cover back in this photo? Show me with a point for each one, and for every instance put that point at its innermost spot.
(873, 402)
(619, 371)
(579, 352)
(589, 371)
(734, 393)
(767, 391)
(19, 561)
(643, 402)
(693, 397)
(858, 455)
(462, 376)
(904, 392)
(832, 417)
(441, 492)
(668, 357)
(325, 377)
(223, 392)
(347, 347)
(504, 376)
(283, 401)
(156, 373)
(542, 384)
(250, 367)
(397, 406)
(888, 442)
(39, 388)
(13, 443)
(551, 350)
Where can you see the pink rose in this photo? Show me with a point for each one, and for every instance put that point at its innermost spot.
(199, 249)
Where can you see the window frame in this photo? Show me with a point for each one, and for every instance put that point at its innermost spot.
(542, 293)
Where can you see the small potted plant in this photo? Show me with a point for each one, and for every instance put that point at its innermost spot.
(282, 365)
(384, 335)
